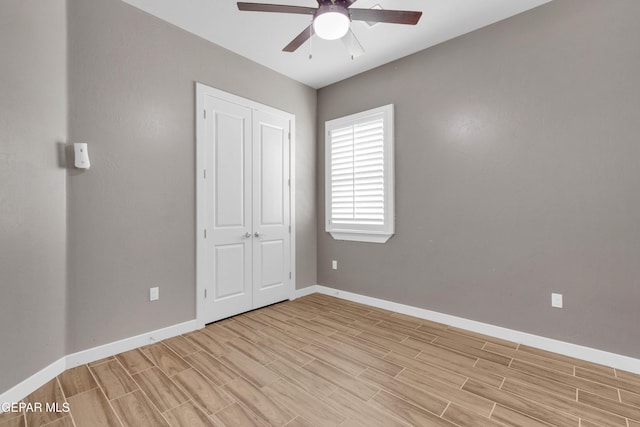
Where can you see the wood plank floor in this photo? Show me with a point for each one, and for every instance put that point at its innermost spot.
(322, 361)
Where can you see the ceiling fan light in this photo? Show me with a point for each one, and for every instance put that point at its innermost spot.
(331, 22)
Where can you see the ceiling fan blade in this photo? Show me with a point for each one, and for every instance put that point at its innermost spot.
(280, 8)
(352, 44)
(299, 40)
(388, 16)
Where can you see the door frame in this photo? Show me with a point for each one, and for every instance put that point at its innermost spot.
(203, 269)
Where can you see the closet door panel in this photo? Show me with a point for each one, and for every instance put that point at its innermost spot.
(230, 271)
(272, 254)
(230, 180)
(271, 208)
(231, 232)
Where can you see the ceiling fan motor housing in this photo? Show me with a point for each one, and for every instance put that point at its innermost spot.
(331, 21)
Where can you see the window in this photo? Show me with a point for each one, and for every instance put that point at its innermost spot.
(359, 176)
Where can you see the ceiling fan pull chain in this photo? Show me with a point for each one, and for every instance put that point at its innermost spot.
(311, 39)
(351, 48)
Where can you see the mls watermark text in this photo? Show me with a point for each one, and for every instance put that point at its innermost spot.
(34, 407)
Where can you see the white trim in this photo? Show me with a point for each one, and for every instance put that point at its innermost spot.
(116, 347)
(201, 188)
(202, 88)
(292, 204)
(45, 375)
(31, 384)
(589, 354)
(361, 236)
(360, 231)
(313, 289)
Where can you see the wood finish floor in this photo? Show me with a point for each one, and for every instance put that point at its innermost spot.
(322, 361)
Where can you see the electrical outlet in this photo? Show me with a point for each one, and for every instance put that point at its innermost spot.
(556, 300)
(334, 264)
(154, 294)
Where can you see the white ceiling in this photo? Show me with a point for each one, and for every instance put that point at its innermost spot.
(261, 36)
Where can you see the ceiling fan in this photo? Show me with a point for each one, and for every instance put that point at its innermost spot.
(332, 19)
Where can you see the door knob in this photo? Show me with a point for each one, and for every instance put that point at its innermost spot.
(257, 234)
(247, 235)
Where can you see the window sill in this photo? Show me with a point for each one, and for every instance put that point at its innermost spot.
(361, 237)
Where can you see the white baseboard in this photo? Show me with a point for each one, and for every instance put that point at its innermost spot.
(613, 360)
(28, 386)
(299, 293)
(106, 350)
(34, 382)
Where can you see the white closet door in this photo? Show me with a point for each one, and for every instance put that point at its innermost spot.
(271, 246)
(229, 136)
(244, 205)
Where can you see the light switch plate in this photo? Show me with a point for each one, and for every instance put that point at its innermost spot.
(154, 294)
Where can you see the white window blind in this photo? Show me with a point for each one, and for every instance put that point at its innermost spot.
(359, 182)
(357, 173)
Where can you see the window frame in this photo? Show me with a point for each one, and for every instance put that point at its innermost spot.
(364, 232)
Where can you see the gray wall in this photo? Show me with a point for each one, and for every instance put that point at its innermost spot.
(80, 249)
(516, 176)
(33, 125)
(132, 215)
